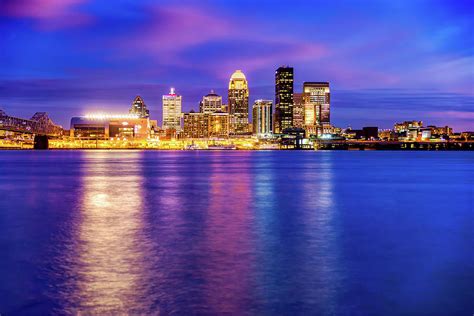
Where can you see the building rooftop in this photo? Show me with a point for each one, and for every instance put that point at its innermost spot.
(238, 75)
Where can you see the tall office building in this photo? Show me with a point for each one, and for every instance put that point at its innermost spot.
(211, 103)
(298, 110)
(172, 111)
(139, 108)
(283, 99)
(238, 99)
(317, 106)
(262, 117)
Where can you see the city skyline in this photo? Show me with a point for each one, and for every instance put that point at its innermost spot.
(80, 56)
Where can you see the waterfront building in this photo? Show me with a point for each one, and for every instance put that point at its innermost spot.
(317, 105)
(219, 125)
(387, 135)
(405, 126)
(440, 130)
(298, 110)
(102, 126)
(139, 108)
(310, 116)
(238, 99)
(196, 125)
(262, 117)
(172, 111)
(210, 103)
(206, 125)
(283, 98)
(366, 133)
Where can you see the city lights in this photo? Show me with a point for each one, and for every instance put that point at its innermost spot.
(102, 116)
(298, 118)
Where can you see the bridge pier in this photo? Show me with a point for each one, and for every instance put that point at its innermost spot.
(41, 142)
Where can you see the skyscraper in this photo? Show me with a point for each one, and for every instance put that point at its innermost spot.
(139, 108)
(238, 103)
(298, 110)
(172, 111)
(262, 117)
(317, 105)
(211, 103)
(283, 99)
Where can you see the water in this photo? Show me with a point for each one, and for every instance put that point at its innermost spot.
(242, 233)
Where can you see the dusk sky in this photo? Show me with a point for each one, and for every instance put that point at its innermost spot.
(386, 61)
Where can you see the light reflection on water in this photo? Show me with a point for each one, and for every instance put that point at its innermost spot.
(328, 233)
(111, 257)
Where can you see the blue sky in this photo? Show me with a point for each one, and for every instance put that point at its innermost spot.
(386, 61)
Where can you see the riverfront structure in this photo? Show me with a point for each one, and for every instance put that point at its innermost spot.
(172, 111)
(262, 118)
(102, 126)
(317, 107)
(283, 99)
(238, 99)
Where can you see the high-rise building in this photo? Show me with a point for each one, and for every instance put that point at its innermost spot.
(317, 105)
(283, 99)
(238, 99)
(211, 103)
(139, 108)
(172, 111)
(262, 117)
(298, 110)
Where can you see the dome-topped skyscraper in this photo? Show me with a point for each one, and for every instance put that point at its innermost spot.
(139, 108)
(238, 99)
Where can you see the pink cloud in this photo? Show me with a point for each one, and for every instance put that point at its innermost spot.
(175, 29)
(180, 27)
(49, 14)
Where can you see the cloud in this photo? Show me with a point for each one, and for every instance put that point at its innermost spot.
(201, 38)
(48, 14)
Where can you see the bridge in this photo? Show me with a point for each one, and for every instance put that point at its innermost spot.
(40, 124)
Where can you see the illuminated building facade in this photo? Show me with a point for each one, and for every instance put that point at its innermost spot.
(172, 111)
(405, 126)
(262, 117)
(238, 99)
(283, 99)
(127, 126)
(219, 125)
(317, 106)
(139, 108)
(203, 125)
(298, 110)
(211, 103)
(440, 130)
(196, 125)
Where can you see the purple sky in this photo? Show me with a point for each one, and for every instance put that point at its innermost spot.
(386, 61)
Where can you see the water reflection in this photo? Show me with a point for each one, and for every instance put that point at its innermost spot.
(110, 252)
(229, 241)
(294, 209)
(321, 269)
